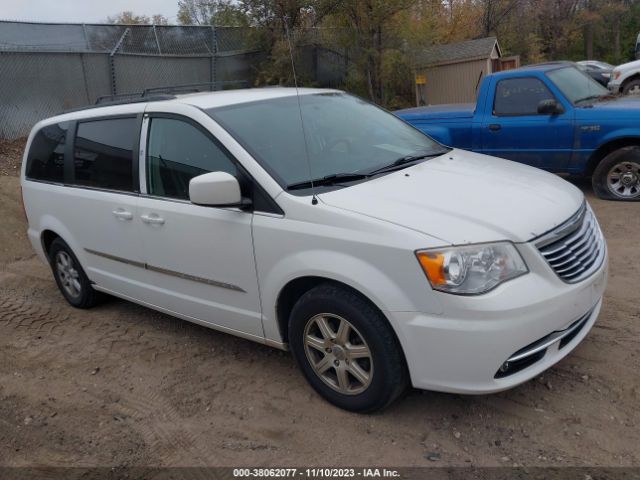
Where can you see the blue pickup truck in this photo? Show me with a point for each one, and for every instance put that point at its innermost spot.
(550, 116)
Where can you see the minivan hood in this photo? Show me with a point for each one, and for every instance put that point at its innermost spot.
(463, 197)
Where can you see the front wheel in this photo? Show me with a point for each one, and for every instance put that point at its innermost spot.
(617, 176)
(346, 349)
(631, 88)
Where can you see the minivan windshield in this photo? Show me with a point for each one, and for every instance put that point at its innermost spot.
(577, 86)
(348, 139)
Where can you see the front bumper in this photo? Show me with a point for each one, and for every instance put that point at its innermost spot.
(614, 86)
(463, 350)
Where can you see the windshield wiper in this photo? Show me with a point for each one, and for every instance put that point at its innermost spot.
(332, 179)
(594, 97)
(403, 162)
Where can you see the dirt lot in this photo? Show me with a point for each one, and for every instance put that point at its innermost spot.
(121, 385)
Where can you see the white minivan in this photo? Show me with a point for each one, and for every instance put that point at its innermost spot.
(317, 222)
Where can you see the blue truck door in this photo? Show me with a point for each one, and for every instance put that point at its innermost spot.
(513, 129)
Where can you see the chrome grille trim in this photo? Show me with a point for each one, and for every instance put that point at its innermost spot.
(576, 249)
(553, 337)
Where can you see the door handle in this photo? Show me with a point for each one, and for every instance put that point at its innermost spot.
(122, 214)
(152, 219)
(494, 127)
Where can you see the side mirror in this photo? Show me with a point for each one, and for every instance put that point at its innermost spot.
(215, 189)
(550, 107)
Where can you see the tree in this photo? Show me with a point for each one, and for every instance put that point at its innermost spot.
(367, 23)
(494, 12)
(211, 12)
(129, 18)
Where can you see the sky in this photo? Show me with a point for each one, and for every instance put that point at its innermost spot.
(82, 11)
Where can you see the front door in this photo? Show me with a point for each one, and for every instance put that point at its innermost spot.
(514, 130)
(199, 260)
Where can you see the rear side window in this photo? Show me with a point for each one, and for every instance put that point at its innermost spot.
(46, 156)
(103, 156)
(177, 152)
(520, 96)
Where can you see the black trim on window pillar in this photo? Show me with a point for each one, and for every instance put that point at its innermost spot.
(70, 143)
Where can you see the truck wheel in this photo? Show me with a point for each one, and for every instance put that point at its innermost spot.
(617, 176)
(346, 349)
(70, 277)
(631, 88)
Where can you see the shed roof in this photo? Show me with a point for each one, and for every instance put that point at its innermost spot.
(458, 52)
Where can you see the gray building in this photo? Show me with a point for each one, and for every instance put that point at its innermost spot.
(452, 73)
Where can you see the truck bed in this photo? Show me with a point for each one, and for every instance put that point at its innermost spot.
(438, 112)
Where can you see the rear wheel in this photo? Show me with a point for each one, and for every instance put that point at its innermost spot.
(617, 176)
(70, 277)
(346, 349)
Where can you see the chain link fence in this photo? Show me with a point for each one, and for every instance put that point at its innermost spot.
(48, 68)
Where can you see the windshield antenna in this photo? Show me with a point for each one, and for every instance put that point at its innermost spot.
(314, 199)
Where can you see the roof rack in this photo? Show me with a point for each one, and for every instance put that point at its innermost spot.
(152, 94)
(158, 94)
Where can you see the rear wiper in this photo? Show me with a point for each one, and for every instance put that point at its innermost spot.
(332, 179)
(404, 161)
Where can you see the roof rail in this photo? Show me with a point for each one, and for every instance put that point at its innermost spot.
(197, 87)
(111, 100)
(158, 94)
(124, 98)
(151, 94)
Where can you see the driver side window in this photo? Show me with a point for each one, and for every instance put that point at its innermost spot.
(520, 96)
(178, 151)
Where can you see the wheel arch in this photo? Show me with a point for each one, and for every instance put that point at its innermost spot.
(630, 78)
(297, 287)
(47, 237)
(608, 147)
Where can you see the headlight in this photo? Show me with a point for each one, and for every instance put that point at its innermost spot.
(472, 269)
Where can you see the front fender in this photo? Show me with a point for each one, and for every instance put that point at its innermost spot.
(366, 278)
(620, 134)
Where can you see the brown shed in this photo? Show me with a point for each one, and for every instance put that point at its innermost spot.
(452, 73)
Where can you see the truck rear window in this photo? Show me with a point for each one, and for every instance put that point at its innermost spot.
(45, 161)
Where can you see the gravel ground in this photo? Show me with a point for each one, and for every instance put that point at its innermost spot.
(121, 385)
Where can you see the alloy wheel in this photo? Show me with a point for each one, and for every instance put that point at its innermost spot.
(68, 274)
(338, 353)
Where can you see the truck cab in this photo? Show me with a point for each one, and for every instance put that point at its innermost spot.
(551, 116)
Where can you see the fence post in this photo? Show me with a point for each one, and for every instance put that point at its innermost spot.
(155, 33)
(112, 63)
(214, 56)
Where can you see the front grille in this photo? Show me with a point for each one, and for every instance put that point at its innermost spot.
(576, 249)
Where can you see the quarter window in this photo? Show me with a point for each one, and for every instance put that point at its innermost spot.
(178, 151)
(520, 96)
(103, 156)
(46, 155)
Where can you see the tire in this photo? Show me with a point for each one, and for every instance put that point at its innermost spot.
(70, 277)
(631, 88)
(365, 383)
(623, 165)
